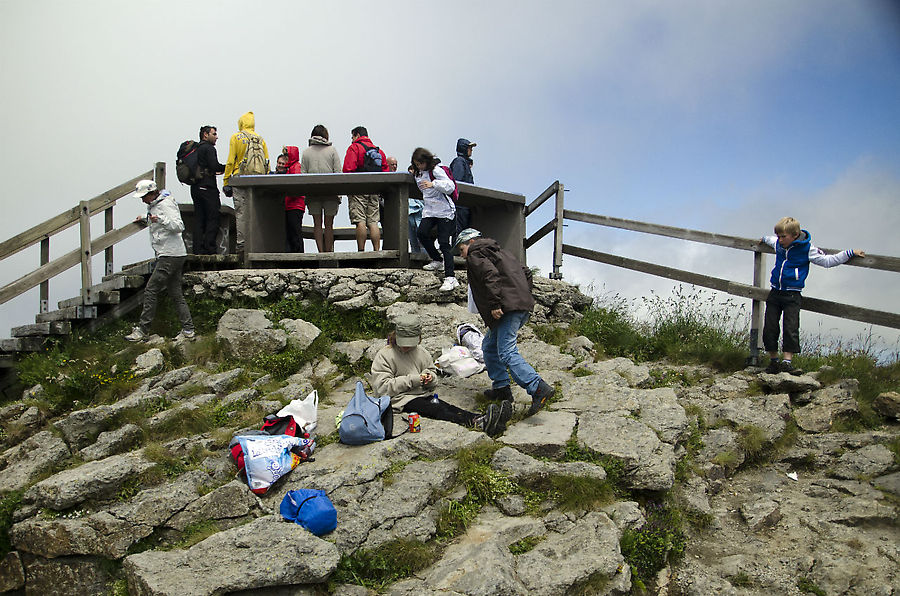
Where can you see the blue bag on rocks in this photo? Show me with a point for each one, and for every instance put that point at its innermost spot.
(310, 508)
(361, 422)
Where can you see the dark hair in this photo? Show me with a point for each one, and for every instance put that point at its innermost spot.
(424, 155)
(205, 129)
(360, 131)
(319, 130)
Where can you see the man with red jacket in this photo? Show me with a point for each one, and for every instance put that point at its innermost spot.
(294, 207)
(363, 156)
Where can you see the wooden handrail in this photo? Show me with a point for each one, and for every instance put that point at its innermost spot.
(542, 198)
(68, 218)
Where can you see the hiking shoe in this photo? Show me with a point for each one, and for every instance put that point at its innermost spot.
(499, 393)
(450, 284)
(786, 366)
(433, 266)
(540, 397)
(136, 335)
(490, 420)
(185, 334)
(774, 366)
(506, 411)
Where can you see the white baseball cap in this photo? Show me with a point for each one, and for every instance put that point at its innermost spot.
(142, 188)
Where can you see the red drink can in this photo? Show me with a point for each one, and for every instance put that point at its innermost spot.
(415, 424)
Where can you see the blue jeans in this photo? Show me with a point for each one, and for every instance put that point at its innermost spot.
(414, 220)
(501, 352)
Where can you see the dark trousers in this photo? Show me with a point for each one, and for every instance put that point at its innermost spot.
(166, 276)
(782, 304)
(431, 407)
(206, 218)
(293, 227)
(463, 216)
(445, 229)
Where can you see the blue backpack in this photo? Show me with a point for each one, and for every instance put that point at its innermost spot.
(361, 423)
(310, 508)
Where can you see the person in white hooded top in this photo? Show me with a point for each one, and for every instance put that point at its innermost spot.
(438, 211)
(164, 220)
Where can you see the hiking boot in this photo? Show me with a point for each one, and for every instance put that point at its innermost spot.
(136, 335)
(506, 410)
(774, 366)
(499, 393)
(433, 266)
(489, 420)
(185, 334)
(450, 284)
(786, 366)
(540, 397)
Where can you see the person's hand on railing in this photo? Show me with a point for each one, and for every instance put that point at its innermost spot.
(858, 253)
(141, 220)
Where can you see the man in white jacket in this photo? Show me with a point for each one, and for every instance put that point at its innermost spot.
(164, 220)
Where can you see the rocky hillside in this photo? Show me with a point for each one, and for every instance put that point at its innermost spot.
(676, 480)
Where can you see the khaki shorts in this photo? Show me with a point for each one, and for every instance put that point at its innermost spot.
(363, 208)
(325, 204)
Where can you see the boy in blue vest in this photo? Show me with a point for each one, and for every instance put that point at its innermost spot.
(794, 252)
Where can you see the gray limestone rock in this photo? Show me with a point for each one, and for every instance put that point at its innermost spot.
(231, 501)
(543, 435)
(355, 350)
(149, 362)
(761, 514)
(99, 534)
(826, 405)
(301, 334)
(221, 382)
(36, 455)
(888, 405)
(66, 576)
(246, 333)
(768, 413)
(524, 468)
(112, 442)
(632, 374)
(660, 410)
(867, 462)
(265, 553)
(889, 483)
(173, 378)
(788, 383)
(649, 463)
(12, 575)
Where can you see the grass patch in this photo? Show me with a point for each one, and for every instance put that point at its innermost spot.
(753, 442)
(390, 475)
(196, 532)
(552, 334)
(582, 372)
(379, 567)
(520, 547)
(741, 580)
(581, 493)
(8, 505)
(807, 586)
(335, 324)
(657, 542)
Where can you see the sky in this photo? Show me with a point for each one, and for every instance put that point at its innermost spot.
(709, 115)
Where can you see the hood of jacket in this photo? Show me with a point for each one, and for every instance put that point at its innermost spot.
(317, 140)
(247, 122)
(293, 154)
(462, 147)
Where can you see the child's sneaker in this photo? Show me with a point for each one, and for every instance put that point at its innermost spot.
(136, 335)
(433, 266)
(450, 284)
(787, 367)
(185, 334)
(774, 366)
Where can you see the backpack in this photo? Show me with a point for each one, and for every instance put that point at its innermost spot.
(455, 194)
(361, 422)
(254, 161)
(310, 508)
(187, 163)
(371, 160)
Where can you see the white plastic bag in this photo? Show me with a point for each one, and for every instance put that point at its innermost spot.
(459, 361)
(305, 411)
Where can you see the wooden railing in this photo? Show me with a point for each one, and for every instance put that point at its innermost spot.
(757, 292)
(80, 215)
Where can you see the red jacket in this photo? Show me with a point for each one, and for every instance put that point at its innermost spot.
(356, 155)
(294, 203)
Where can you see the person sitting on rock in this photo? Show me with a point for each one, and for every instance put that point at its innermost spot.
(404, 371)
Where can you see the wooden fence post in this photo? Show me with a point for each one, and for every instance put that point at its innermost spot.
(45, 286)
(756, 310)
(84, 224)
(108, 253)
(558, 233)
(159, 175)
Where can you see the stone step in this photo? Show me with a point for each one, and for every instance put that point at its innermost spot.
(22, 344)
(51, 328)
(66, 314)
(112, 297)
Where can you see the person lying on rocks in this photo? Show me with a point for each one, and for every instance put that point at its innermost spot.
(404, 371)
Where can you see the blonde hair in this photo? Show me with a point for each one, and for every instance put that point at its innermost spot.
(788, 225)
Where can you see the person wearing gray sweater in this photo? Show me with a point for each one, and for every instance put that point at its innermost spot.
(321, 158)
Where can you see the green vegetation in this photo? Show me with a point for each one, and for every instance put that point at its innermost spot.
(659, 541)
(8, 505)
(807, 586)
(740, 580)
(520, 547)
(378, 567)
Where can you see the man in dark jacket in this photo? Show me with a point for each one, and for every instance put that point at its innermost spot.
(461, 168)
(501, 288)
(205, 193)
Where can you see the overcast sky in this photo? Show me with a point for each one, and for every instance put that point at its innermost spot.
(711, 115)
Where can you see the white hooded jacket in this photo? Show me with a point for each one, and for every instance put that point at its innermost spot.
(165, 232)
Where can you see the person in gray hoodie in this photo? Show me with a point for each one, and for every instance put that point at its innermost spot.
(321, 158)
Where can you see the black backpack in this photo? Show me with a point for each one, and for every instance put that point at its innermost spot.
(371, 160)
(187, 163)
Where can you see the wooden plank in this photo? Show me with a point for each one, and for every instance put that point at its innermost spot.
(845, 311)
(87, 278)
(53, 328)
(45, 285)
(545, 229)
(312, 257)
(104, 297)
(121, 282)
(870, 261)
(119, 310)
(22, 344)
(66, 314)
(558, 232)
(549, 192)
(67, 218)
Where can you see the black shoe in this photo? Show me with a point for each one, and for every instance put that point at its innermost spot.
(506, 410)
(498, 394)
(786, 366)
(774, 367)
(490, 420)
(540, 397)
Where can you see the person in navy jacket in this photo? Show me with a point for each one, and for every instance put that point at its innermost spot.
(794, 251)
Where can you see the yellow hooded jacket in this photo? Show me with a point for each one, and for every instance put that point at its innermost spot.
(237, 147)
